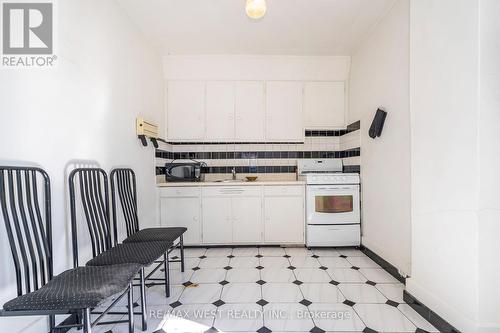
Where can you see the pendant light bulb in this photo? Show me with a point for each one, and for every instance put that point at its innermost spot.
(256, 9)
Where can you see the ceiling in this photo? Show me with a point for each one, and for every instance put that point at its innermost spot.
(295, 27)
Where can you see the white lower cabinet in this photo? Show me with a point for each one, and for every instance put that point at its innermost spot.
(260, 214)
(217, 220)
(181, 208)
(284, 215)
(232, 214)
(247, 219)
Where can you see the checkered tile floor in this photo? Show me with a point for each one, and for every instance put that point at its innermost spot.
(272, 289)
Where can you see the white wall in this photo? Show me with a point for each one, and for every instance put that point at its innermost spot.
(380, 79)
(489, 165)
(445, 164)
(256, 67)
(84, 109)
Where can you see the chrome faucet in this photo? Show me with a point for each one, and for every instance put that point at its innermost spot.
(233, 171)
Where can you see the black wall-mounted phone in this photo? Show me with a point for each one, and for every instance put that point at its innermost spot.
(377, 124)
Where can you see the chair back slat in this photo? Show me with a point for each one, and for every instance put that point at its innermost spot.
(94, 197)
(28, 227)
(123, 182)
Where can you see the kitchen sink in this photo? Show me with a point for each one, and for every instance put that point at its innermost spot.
(230, 181)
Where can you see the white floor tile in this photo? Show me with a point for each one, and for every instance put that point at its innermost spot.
(346, 275)
(321, 293)
(274, 262)
(189, 318)
(362, 293)
(189, 263)
(208, 275)
(244, 262)
(239, 318)
(214, 262)
(298, 251)
(271, 251)
(363, 262)
(245, 251)
(241, 293)
(123, 327)
(310, 275)
(281, 293)
(293, 317)
(326, 252)
(351, 252)
(304, 262)
(416, 319)
(384, 318)
(202, 294)
(106, 328)
(177, 277)
(191, 252)
(378, 275)
(155, 296)
(277, 275)
(219, 252)
(243, 275)
(334, 262)
(335, 317)
(394, 292)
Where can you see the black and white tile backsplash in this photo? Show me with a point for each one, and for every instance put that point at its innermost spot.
(266, 157)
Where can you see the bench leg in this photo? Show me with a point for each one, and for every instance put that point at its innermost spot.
(167, 275)
(181, 241)
(131, 308)
(87, 323)
(52, 323)
(143, 301)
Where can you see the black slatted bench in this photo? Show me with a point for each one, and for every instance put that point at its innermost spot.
(25, 199)
(89, 188)
(123, 183)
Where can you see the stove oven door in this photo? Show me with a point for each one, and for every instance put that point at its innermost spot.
(332, 204)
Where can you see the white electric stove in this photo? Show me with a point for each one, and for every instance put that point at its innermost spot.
(332, 203)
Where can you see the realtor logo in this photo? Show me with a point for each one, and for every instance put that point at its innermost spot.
(27, 29)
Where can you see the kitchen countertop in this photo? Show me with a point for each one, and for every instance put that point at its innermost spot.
(214, 183)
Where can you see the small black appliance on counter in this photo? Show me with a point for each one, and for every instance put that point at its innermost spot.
(184, 171)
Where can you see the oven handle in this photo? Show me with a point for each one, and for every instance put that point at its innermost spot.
(335, 188)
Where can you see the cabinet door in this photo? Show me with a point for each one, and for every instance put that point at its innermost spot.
(220, 111)
(186, 110)
(217, 220)
(324, 104)
(284, 118)
(247, 219)
(183, 212)
(284, 220)
(250, 111)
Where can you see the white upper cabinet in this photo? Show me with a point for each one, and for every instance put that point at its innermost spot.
(324, 105)
(284, 117)
(220, 110)
(252, 111)
(186, 110)
(249, 111)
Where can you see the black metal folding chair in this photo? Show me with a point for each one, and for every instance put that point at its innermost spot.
(26, 211)
(123, 182)
(94, 196)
